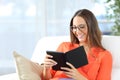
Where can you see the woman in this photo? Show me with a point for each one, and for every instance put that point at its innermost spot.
(84, 31)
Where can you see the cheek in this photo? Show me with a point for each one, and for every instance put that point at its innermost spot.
(86, 35)
(86, 31)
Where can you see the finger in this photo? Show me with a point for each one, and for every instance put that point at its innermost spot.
(66, 69)
(49, 64)
(48, 56)
(69, 73)
(50, 61)
(69, 64)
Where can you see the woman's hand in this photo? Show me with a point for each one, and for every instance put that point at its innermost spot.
(48, 62)
(72, 72)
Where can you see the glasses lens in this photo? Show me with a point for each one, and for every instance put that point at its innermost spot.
(81, 27)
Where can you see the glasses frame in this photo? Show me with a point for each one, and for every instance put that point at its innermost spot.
(80, 27)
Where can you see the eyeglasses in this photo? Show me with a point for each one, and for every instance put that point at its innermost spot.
(80, 27)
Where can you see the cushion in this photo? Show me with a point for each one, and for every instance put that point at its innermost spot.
(26, 69)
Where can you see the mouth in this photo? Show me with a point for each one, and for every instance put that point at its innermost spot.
(80, 36)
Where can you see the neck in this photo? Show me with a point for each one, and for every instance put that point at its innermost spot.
(86, 46)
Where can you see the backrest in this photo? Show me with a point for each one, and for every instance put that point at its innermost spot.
(111, 43)
(47, 43)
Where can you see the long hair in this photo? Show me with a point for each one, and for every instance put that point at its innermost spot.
(94, 33)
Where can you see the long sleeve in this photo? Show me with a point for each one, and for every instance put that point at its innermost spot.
(98, 68)
(105, 67)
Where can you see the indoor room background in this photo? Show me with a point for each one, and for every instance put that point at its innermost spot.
(24, 22)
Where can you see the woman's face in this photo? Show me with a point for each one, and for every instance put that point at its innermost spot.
(80, 29)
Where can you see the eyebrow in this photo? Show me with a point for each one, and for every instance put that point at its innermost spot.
(79, 25)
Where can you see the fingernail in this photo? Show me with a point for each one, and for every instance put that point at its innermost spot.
(55, 63)
(67, 63)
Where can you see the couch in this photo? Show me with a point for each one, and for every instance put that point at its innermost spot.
(111, 43)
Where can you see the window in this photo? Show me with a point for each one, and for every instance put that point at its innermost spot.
(24, 22)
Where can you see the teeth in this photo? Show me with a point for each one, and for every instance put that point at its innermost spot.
(80, 36)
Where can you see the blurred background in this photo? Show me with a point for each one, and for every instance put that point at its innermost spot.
(24, 22)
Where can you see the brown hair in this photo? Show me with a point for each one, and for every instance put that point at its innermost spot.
(94, 33)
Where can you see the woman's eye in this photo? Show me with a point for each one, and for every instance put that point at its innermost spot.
(74, 27)
(81, 26)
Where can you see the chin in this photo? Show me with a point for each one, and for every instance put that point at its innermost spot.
(82, 40)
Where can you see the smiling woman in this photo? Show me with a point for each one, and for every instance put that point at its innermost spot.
(24, 22)
(89, 36)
